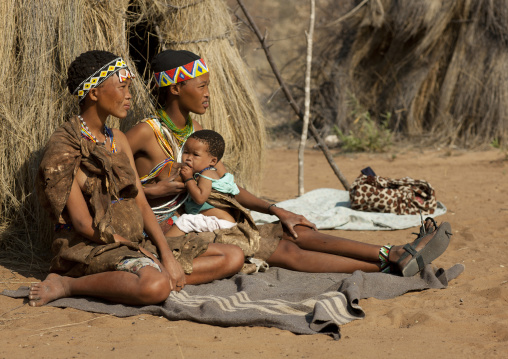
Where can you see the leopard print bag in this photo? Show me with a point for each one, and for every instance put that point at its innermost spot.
(372, 193)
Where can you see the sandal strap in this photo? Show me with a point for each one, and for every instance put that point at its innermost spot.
(410, 250)
(420, 261)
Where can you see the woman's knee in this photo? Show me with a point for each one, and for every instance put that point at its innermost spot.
(153, 288)
(287, 255)
(234, 258)
(303, 232)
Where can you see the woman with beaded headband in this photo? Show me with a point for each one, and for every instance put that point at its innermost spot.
(107, 242)
(183, 79)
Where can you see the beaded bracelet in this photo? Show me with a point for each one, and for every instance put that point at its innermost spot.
(188, 179)
(270, 206)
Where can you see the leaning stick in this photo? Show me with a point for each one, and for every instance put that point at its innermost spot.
(291, 100)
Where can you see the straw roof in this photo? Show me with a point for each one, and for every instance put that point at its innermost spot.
(439, 67)
(40, 41)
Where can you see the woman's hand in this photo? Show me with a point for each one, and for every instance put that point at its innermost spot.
(164, 188)
(118, 238)
(175, 274)
(290, 220)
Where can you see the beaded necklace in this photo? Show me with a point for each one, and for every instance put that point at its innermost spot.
(87, 134)
(197, 174)
(180, 134)
(157, 170)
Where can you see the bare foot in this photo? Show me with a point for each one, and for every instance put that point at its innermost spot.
(52, 288)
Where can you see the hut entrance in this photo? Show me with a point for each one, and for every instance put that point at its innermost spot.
(143, 43)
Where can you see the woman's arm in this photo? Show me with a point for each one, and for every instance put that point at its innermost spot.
(152, 228)
(163, 188)
(248, 200)
(81, 218)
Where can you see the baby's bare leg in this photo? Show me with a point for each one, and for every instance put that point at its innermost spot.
(219, 213)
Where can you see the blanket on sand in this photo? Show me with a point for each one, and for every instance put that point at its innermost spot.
(303, 303)
(329, 208)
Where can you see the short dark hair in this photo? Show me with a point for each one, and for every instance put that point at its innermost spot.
(85, 65)
(214, 140)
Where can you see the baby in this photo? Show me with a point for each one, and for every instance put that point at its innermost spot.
(201, 152)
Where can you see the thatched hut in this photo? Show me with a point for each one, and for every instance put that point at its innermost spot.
(438, 67)
(40, 39)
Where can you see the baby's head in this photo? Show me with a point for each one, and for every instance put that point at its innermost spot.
(203, 149)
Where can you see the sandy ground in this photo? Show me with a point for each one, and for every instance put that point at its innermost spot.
(468, 319)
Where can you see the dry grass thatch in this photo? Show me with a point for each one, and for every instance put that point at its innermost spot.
(439, 67)
(205, 27)
(38, 43)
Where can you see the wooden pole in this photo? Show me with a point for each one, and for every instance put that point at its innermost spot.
(306, 115)
(289, 97)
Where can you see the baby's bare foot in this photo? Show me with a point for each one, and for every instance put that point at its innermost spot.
(52, 288)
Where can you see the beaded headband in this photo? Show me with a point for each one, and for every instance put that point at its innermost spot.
(101, 75)
(181, 73)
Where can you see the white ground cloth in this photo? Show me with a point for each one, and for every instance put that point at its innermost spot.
(329, 208)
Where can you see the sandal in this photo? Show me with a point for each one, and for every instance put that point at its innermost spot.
(433, 249)
(425, 228)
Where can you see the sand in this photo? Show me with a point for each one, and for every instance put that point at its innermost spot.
(467, 319)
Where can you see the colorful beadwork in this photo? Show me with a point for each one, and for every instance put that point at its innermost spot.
(157, 170)
(117, 200)
(163, 142)
(180, 134)
(197, 174)
(383, 258)
(87, 134)
(100, 76)
(61, 226)
(181, 73)
(128, 75)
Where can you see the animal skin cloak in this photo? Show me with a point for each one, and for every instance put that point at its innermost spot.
(110, 192)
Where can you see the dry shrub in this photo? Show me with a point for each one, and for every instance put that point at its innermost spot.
(440, 67)
(39, 41)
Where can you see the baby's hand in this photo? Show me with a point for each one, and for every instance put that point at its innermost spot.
(186, 172)
(174, 173)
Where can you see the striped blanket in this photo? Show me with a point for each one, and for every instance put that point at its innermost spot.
(303, 303)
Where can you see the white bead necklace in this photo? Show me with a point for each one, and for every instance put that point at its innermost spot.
(89, 134)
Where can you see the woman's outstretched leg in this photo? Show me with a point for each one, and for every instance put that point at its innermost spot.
(352, 255)
(219, 261)
(148, 286)
(288, 255)
(316, 241)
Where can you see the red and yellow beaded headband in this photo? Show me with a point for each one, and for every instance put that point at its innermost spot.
(101, 75)
(181, 73)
